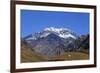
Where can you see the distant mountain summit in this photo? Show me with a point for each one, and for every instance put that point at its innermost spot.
(61, 32)
(54, 41)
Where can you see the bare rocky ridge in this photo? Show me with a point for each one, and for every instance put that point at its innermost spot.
(53, 42)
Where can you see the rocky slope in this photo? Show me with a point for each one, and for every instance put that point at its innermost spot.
(56, 41)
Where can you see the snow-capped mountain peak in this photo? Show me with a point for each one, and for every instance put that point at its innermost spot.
(55, 29)
(61, 32)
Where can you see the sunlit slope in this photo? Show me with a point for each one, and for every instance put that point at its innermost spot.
(28, 55)
(72, 56)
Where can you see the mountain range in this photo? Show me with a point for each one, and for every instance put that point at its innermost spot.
(52, 42)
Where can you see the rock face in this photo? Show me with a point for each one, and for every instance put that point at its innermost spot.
(55, 41)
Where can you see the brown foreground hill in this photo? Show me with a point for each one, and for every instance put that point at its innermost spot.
(27, 55)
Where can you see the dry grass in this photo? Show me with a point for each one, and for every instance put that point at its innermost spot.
(72, 56)
(27, 55)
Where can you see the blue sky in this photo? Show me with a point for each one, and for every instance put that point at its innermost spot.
(35, 21)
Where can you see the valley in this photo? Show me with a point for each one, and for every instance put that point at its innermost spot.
(54, 44)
